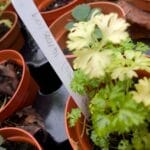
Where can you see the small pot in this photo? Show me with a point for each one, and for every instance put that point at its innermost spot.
(19, 135)
(51, 15)
(74, 134)
(142, 4)
(58, 26)
(13, 39)
(77, 135)
(26, 91)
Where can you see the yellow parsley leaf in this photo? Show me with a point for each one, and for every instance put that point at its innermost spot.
(80, 35)
(123, 72)
(142, 93)
(112, 27)
(93, 63)
(125, 65)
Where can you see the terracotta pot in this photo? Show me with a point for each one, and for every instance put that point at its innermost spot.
(74, 134)
(13, 39)
(19, 135)
(75, 137)
(51, 15)
(58, 26)
(142, 4)
(26, 91)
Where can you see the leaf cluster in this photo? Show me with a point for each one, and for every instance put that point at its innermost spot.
(106, 70)
(115, 111)
(74, 116)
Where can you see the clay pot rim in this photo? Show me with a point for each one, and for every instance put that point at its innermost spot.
(66, 120)
(14, 138)
(93, 3)
(23, 64)
(59, 8)
(110, 3)
(13, 25)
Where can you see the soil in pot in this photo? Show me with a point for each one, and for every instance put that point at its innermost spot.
(56, 4)
(10, 75)
(12, 145)
(3, 29)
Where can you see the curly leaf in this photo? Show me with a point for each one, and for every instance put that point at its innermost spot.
(142, 93)
(125, 65)
(80, 35)
(93, 63)
(112, 27)
(74, 116)
(81, 83)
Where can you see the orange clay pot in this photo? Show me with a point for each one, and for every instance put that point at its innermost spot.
(51, 15)
(142, 4)
(13, 39)
(26, 91)
(77, 135)
(58, 26)
(19, 135)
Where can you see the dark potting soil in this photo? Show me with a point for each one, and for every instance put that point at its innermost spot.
(12, 145)
(57, 4)
(10, 75)
(3, 29)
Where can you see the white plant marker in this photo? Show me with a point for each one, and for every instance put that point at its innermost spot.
(37, 27)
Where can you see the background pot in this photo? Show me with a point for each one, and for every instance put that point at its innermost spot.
(26, 91)
(51, 15)
(13, 39)
(142, 4)
(58, 26)
(19, 135)
(42, 4)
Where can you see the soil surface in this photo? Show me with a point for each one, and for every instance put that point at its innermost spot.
(11, 145)
(3, 30)
(27, 119)
(10, 75)
(57, 4)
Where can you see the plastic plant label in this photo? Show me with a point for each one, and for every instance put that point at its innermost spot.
(40, 32)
